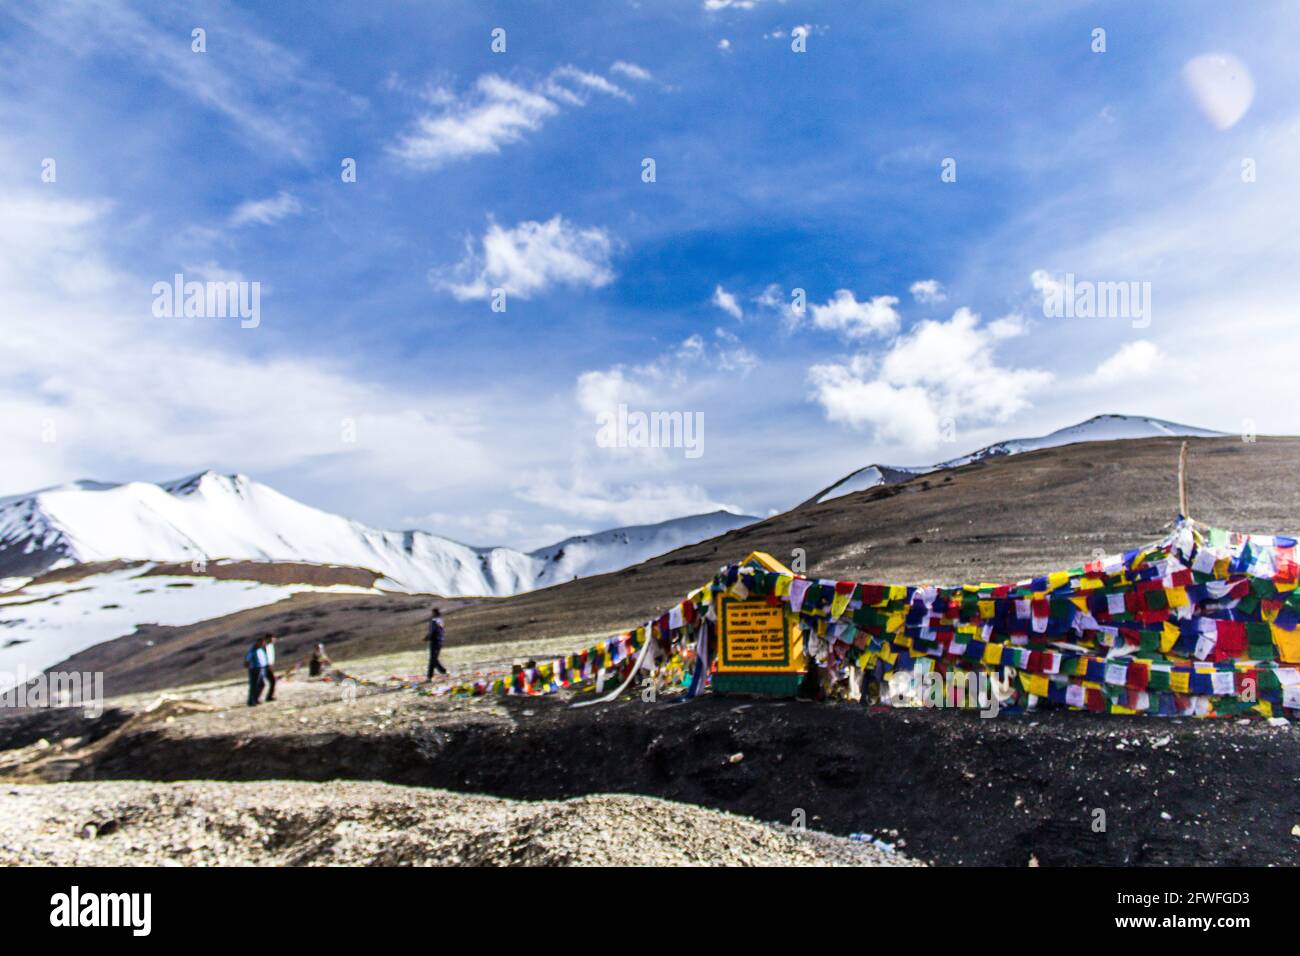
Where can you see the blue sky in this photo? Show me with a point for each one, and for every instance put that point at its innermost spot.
(380, 384)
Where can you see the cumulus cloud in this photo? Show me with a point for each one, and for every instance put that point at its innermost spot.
(529, 259)
(726, 301)
(940, 372)
(928, 291)
(496, 113)
(845, 314)
(1134, 361)
(1008, 326)
(595, 488)
(265, 212)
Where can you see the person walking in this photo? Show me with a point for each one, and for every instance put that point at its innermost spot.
(434, 638)
(255, 661)
(269, 647)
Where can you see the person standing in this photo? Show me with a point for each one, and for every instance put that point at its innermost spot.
(434, 638)
(270, 667)
(255, 661)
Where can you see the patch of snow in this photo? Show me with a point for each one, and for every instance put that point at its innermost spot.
(47, 623)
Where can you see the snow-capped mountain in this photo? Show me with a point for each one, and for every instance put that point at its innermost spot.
(1099, 428)
(211, 517)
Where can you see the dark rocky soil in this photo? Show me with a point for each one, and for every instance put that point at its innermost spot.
(956, 789)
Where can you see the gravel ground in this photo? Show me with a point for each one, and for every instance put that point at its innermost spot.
(131, 823)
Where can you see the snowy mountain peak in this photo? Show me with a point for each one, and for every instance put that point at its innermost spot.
(1109, 427)
(209, 482)
(211, 516)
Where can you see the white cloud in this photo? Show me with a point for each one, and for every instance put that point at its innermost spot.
(529, 259)
(666, 381)
(613, 503)
(1046, 284)
(631, 71)
(496, 113)
(689, 379)
(724, 44)
(729, 355)
(199, 394)
(774, 299)
(260, 98)
(1009, 326)
(940, 371)
(1135, 361)
(556, 86)
(726, 301)
(211, 271)
(845, 314)
(928, 291)
(265, 212)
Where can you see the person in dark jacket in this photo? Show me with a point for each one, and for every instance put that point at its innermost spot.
(255, 661)
(316, 665)
(434, 637)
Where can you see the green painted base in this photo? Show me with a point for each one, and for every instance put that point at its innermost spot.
(771, 685)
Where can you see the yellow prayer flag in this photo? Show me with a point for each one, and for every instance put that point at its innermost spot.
(1035, 684)
(839, 603)
(1180, 682)
(1169, 637)
(1288, 644)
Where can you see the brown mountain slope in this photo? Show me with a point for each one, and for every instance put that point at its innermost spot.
(997, 520)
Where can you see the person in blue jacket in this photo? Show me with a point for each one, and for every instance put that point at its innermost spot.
(255, 661)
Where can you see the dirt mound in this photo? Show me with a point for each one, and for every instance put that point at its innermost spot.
(226, 824)
(41, 760)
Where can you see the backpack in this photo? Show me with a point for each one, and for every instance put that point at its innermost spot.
(250, 657)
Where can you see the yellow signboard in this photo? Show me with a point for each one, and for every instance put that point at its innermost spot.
(757, 637)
